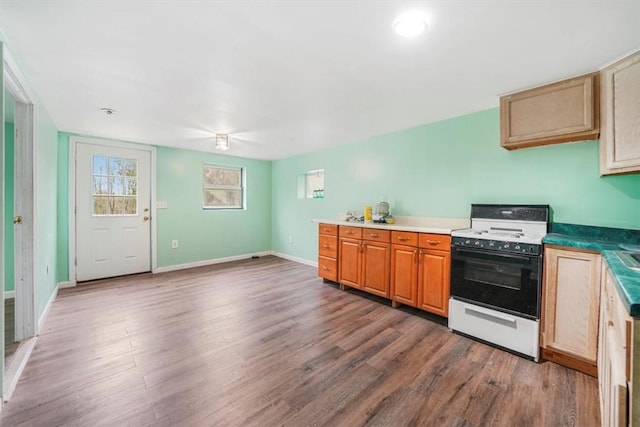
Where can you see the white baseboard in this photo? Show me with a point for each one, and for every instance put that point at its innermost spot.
(208, 262)
(296, 259)
(17, 365)
(63, 285)
(9, 294)
(47, 307)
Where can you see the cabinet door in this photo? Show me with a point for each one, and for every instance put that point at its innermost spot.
(375, 268)
(620, 136)
(571, 303)
(404, 274)
(349, 265)
(433, 282)
(559, 112)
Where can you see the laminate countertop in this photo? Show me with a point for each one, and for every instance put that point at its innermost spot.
(609, 242)
(408, 223)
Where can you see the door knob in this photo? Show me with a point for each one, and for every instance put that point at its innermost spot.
(146, 218)
(17, 219)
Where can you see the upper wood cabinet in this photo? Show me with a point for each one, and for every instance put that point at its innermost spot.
(620, 136)
(559, 112)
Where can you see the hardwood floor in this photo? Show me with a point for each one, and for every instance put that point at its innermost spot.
(265, 342)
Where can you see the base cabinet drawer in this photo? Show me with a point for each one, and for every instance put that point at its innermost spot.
(328, 268)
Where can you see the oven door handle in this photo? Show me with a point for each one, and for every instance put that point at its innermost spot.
(490, 313)
(497, 254)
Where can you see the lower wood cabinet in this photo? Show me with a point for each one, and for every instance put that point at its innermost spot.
(420, 271)
(433, 281)
(404, 268)
(570, 313)
(328, 252)
(615, 352)
(364, 259)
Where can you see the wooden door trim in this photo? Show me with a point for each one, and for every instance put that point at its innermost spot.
(73, 143)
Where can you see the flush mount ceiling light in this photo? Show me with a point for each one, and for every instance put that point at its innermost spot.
(108, 111)
(410, 24)
(222, 141)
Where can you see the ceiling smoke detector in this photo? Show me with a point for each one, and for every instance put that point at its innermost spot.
(108, 111)
(410, 24)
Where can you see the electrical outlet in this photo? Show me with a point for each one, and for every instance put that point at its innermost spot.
(290, 239)
(174, 244)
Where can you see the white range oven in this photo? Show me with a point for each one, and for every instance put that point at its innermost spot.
(496, 276)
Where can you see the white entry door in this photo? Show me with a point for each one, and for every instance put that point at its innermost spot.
(113, 200)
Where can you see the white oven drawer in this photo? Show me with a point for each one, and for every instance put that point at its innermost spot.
(508, 331)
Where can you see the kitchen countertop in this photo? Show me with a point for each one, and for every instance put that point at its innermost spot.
(607, 241)
(409, 223)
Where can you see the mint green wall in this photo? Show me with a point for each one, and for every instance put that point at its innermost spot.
(439, 169)
(202, 234)
(209, 234)
(62, 208)
(8, 206)
(46, 170)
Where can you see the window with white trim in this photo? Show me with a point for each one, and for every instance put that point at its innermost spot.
(222, 187)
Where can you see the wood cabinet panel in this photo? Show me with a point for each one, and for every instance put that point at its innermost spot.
(406, 238)
(350, 232)
(614, 356)
(350, 262)
(404, 274)
(434, 282)
(620, 136)
(328, 268)
(328, 246)
(328, 229)
(376, 235)
(571, 307)
(328, 252)
(441, 242)
(375, 268)
(559, 112)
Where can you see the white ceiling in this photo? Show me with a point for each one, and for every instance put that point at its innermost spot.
(288, 77)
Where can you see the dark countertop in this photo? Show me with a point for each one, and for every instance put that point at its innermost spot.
(607, 241)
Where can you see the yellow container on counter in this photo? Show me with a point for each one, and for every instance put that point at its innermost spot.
(368, 218)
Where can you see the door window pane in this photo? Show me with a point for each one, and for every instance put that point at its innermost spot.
(117, 178)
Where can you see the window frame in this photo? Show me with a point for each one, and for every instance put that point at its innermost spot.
(242, 186)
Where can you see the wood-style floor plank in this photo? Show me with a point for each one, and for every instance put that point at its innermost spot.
(266, 343)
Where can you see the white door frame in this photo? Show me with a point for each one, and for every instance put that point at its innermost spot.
(73, 142)
(25, 247)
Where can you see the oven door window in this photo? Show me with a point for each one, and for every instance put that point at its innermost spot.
(505, 282)
(501, 275)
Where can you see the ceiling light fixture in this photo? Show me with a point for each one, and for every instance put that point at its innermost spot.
(410, 24)
(222, 141)
(108, 111)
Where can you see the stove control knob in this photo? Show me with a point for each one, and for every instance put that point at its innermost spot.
(477, 243)
(506, 246)
(492, 244)
(517, 248)
(468, 242)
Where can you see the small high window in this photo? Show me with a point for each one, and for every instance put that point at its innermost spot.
(222, 187)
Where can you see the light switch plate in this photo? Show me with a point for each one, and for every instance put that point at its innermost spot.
(161, 204)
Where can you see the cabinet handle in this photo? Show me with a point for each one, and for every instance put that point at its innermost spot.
(326, 268)
(420, 257)
(348, 232)
(326, 229)
(362, 245)
(415, 257)
(403, 239)
(433, 242)
(326, 246)
(374, 235)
